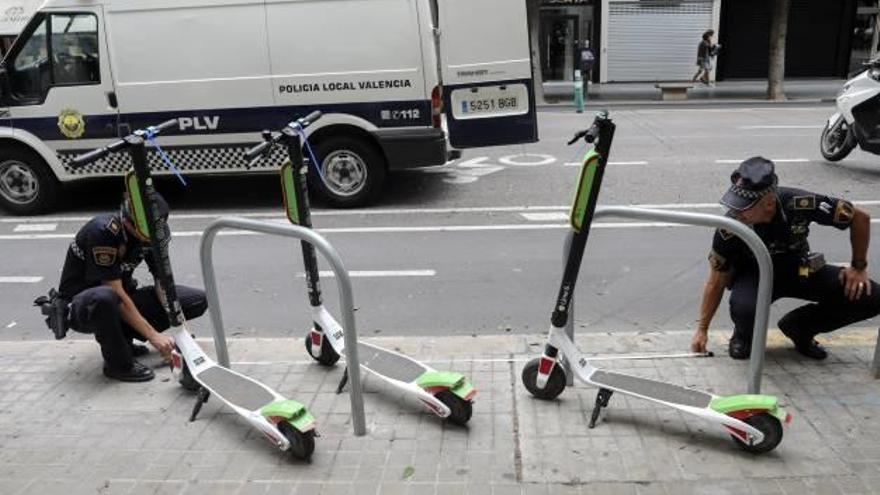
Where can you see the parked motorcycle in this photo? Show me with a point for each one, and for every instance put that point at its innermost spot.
(857, 121)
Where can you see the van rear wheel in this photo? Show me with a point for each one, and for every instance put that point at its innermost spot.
(27, 186)
(352, 172)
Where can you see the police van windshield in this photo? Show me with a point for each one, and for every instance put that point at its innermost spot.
(72, 41)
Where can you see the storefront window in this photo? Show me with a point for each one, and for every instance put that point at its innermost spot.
(565, 29)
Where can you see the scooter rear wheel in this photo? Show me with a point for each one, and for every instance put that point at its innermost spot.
(555, 383)
(461, 410)
(328, 355)
(302, 444)
(770, 426)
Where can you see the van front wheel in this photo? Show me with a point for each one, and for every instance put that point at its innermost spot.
(27, 186)
(352, 172)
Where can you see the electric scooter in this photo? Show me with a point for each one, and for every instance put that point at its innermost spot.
(447, 394)
(856, 121)
(286, 423)
(754, 421)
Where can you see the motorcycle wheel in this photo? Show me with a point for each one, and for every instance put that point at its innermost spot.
(837, 142)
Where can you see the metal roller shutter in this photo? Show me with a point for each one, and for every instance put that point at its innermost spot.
(655, 40)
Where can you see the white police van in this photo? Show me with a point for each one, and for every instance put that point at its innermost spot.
(382, 71)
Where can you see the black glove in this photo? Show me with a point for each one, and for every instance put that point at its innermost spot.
(55, 308)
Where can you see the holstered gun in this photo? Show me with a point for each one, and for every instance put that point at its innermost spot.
(56, 310)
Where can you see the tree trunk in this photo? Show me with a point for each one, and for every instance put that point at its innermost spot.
(778, 33)
(533, 12)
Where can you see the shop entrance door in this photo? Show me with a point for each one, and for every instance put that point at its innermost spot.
(559, 44)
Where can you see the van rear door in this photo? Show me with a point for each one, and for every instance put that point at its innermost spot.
(486, 68)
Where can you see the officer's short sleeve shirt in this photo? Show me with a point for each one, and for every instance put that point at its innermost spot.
(786, 234)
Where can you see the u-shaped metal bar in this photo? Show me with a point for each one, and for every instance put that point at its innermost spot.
(343, 282)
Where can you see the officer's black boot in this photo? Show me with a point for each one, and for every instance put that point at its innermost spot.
(739, 346)
(136, 373)
(804, 344)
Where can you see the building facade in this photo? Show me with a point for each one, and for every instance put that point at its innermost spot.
(656, 40)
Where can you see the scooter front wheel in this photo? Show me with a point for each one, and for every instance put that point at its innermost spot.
(836, 142)
(461, 410)
(328, 356)
(302, 444)
(770, 426)
(555, 383)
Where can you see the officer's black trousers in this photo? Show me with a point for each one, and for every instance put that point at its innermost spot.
(828, 311)
(96, 310)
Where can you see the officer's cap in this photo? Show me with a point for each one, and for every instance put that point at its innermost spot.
(750, 182)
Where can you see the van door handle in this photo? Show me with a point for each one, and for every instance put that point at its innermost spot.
(111, 99)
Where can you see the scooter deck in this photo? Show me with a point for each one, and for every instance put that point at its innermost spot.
(235, 388)
(654, 389)
(390, 364)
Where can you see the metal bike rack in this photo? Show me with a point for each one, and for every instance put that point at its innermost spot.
(346, 299)
(765, 269)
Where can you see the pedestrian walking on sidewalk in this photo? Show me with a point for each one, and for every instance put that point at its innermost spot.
(781, 216)
(105, 300)
(706, 51)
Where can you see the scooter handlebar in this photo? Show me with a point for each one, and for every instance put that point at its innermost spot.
(164, 126)
(590, 135)
(258, 150)
(91, 156)
(83, 160)
(310, 118)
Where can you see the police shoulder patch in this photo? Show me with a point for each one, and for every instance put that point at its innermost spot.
(843, 215)
(804, 202)
(104, 256)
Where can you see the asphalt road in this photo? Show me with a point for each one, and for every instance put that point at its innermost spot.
(474, 247)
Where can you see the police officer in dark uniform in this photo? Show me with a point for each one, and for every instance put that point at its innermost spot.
(105, 299)
(781, 216)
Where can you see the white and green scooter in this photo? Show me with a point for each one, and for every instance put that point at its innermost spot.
(286, 423)
(754, 421)
(447, 394)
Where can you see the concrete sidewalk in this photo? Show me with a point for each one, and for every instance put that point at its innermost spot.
(726, 92)
(65, 429)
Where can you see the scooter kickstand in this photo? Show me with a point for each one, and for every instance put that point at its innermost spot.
(602, 399)
(201, 398)
(343, 381)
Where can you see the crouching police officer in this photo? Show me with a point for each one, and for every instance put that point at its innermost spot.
(105, 299)
(781, 217)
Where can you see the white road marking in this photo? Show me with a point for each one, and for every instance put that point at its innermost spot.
(545, 217)
(775, 160)
(610, 164)
(525, 160)
(781, 127)
(20, 280)
(382, 273)
(35, 227)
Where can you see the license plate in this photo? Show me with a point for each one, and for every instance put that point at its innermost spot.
(490, 101)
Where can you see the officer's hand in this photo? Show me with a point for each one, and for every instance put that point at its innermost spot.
(163, 343)
(855, 283)
(698, 342)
